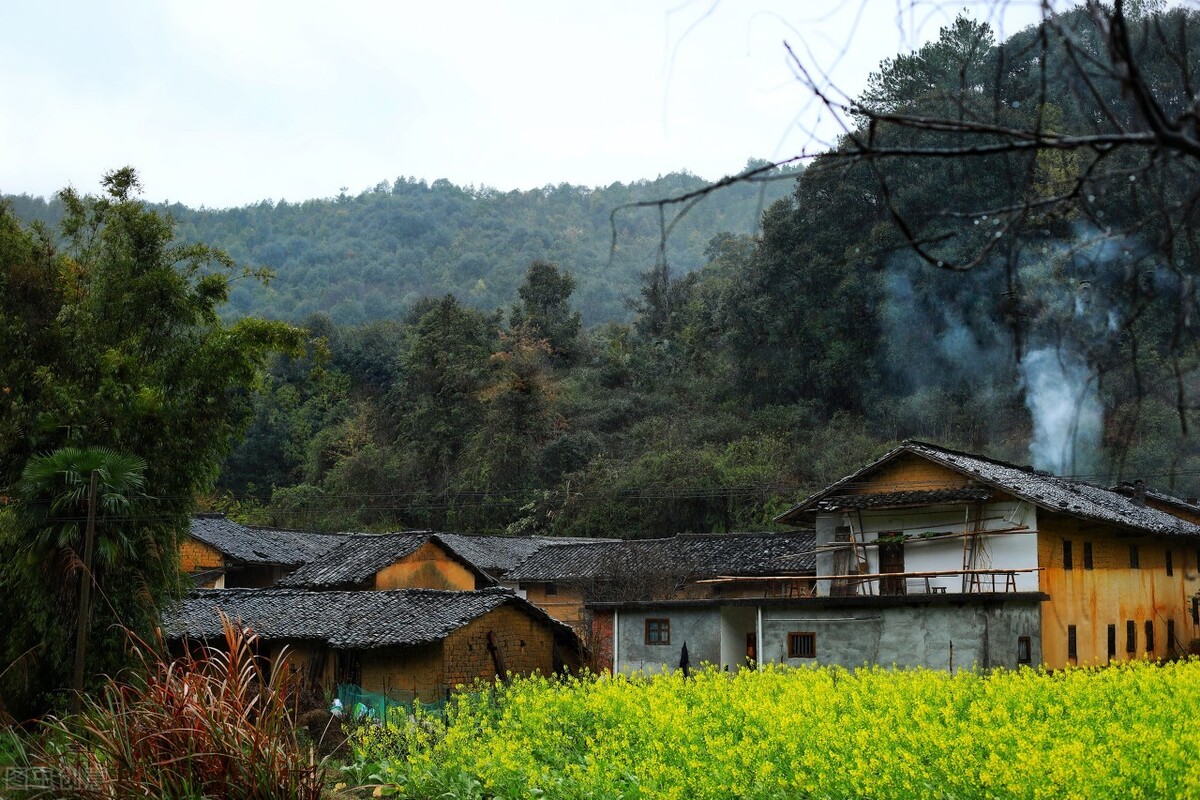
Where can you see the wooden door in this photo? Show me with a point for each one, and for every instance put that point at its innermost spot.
(891, 559)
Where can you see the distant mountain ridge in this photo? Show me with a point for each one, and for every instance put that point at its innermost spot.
(370, 256)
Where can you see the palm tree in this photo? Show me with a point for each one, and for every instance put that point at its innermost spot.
(65, 488)
(55, 487)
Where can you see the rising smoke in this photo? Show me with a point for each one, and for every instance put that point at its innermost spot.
(1060, 393)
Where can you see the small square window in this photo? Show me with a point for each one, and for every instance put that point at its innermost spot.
(551, 588)
(1170, 563)
(1072, 642)
(658, 631)
(1149, 636)
(1025, 650)
(1135, 561)
(1087, 555)
(1130, 636)
(1068, 556)
(802, 645)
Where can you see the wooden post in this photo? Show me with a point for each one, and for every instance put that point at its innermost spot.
(85, 597)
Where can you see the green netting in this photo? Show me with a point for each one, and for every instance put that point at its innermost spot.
(358, 703)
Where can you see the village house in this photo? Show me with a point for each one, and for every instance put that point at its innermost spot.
(638, 602)
(219, 553)
(942, 558)
(418, 560)
(404, 644)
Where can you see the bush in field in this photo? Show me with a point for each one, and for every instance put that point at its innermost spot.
(1122, 731)
(211, 725)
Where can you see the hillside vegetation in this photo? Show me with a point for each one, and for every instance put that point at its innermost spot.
(370, 256)
(475, 364)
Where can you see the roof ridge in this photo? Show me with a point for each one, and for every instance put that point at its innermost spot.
(977, 457)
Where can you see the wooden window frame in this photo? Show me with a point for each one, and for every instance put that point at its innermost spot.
(1072, 642)
(1170, 636)
(1135, 557)
(658, 631)
(1112, 641)
(1170, 563)
(1024, 650)
(1130, 636)
(1087, 556)
(802, 644)
(1068, 555)
(1149, 636)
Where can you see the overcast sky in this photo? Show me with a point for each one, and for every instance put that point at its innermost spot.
(224, 103)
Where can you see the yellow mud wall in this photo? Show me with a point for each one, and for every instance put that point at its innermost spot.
(1191, 515)
(565, 606)
(1112, 592)
(427, 567)
(294, 660)
(526, 645)
(195, 555)
(907, 472)
(401, 671)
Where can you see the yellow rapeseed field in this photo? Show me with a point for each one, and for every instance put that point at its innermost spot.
(1125, 731)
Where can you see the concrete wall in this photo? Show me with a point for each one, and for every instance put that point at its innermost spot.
(1112, 592)
(700, 628)
(906, 636)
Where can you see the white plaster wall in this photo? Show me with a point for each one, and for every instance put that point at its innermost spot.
(1000, 551)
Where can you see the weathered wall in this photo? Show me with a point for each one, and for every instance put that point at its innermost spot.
(195, 555)
(427, 567)
(600, 641)
(565, 606)
(907, 472)
(1112, 592)
(526, 644)
(927, 550)
(906, 636)
(295, 659)
(405, 671)
(700, 628)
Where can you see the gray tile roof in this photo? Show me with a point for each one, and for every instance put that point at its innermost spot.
(694, 556)
(247, 545)
(1050, 492)
(907, 498)
(496, 555)
(355, 560)
(350, 620)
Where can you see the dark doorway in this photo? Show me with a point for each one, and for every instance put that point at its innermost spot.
(891, 559)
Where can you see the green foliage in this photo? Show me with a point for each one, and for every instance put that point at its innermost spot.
(56, 487)
(811, 732)
(113, 342)
(796, 352)
(367, 257)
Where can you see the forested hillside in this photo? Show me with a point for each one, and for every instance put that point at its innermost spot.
(475, 365)
(791, 357)
(370, 256)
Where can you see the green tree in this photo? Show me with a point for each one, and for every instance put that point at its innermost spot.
(115, 341)
(546, 308)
